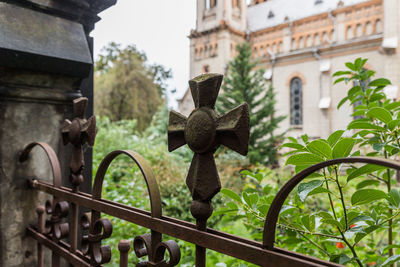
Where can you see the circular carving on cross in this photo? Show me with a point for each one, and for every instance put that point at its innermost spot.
(200, 130)
(203, 132)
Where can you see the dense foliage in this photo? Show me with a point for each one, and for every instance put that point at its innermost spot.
(245, 84)
(127, 87)
(354, 219)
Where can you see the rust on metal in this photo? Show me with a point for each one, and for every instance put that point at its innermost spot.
(204, 131)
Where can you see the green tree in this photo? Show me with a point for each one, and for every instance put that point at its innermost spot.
(127, 87)
(245, 84)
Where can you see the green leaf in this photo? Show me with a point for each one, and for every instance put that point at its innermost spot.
(367, 230)
(358, 113)
(379, 82)
(339, 80)
(364, 196)
(231, 194)
(381, 114)
(332, 222)
(377, 97)
(342, 102)
(305, 188)
(334, 137)
(247, 199)
(319, 190)
(393, 124)
(343, 148)
(389, 247)
(392, 105)
(394, 197)
(364, 125)
(292, 145)
(391, 260)
(357, 64)
(303, 159)
(340, 73)
(341, 259)
(294, 140)
(325, 215)
(360, 218)
(263, 209)
(354, 90)
(366, 183)
(320, 148)
(366, 169)
(304, 137)
(232, 205)
(308, 222)
(350, 66)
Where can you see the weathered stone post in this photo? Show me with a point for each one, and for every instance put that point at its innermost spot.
(45, 63)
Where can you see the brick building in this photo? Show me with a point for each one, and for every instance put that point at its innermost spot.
(300, 44)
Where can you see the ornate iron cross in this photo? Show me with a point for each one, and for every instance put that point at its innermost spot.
(204, 131)
(79, 132)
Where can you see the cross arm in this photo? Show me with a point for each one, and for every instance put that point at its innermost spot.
(233, 129)
(176, 130)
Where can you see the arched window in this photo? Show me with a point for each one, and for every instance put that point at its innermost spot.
(301, 43)
(317, 39)
(208, 4)
(378, 26)
(308, 41)
(294, 46)
(368, 28)
(325, 38)
(359, 30)
(296, 101)
(350, 33)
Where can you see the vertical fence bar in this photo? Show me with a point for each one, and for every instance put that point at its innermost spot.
(41, 221)
(124, 246)
(201, 251)
(78, 132)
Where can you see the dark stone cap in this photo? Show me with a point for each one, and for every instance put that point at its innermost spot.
(41, 42)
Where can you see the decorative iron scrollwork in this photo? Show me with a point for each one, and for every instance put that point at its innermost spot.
(102, 229)
(85, 228)
(143, 246)
(55, 226)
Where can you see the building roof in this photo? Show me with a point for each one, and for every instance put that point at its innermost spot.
(274, 12)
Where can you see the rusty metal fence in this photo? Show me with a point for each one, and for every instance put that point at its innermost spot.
(203, 132)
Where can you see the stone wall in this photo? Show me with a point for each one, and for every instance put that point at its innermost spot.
(45, 63)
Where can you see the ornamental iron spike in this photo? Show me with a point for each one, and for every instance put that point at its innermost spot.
(204, 131)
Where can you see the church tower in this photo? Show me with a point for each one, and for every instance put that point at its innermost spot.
(221, 24)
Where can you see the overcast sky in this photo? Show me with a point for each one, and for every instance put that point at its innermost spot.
(157, 27)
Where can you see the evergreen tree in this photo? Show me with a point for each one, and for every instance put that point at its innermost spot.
(245, 84)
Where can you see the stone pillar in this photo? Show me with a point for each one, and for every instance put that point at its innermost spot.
(45, 62)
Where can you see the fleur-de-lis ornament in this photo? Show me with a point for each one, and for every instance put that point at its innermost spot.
(78, 132)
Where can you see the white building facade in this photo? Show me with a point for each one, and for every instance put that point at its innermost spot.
(300, 43)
